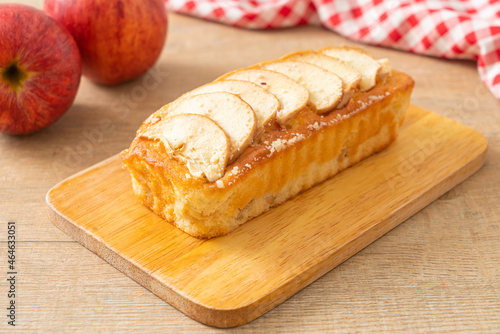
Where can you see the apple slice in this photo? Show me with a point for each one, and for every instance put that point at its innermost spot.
(324, 87)
(350, 77)
(386, 69)
(362, 61)
(264, 104)
(292, 96)
(229, 111)
(196, 140)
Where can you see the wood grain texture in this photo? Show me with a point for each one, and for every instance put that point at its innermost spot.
(231, 280)
(435, 273)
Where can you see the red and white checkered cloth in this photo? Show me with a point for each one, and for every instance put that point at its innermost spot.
(466, 29)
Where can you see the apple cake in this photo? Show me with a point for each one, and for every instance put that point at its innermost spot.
(232, 149)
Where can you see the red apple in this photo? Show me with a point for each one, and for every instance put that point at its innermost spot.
(118, 39)
(40, 69)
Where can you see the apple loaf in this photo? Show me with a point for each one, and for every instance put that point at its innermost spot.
(232, 149)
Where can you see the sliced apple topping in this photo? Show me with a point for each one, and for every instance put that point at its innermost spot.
(264, 104)
(363, 62)
(350, 77)
(229, 111)
(324, 87)
(386, 69)
(292, 96)
(196, 140)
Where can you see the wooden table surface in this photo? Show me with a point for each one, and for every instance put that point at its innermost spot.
(437, 272)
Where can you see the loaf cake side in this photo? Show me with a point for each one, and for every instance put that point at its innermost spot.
(307, 150)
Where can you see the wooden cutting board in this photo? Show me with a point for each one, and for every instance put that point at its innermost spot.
(231, 280)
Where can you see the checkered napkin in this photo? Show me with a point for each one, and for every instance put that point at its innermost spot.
(466, 29)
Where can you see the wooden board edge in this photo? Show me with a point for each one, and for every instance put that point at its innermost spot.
(225, 318)
(210, 316)
(148, 281)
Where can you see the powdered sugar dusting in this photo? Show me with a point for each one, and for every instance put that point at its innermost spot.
(280, 144)
(340, 117)
(316, 126)
(371, 99)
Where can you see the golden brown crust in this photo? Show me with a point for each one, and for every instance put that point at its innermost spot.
(317, 146)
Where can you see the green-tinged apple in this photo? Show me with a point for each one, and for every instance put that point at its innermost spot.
(118, 39)
(40, 69)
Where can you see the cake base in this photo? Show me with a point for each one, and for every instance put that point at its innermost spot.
(312, 149)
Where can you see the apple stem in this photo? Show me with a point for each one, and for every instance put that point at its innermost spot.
(14, 75)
